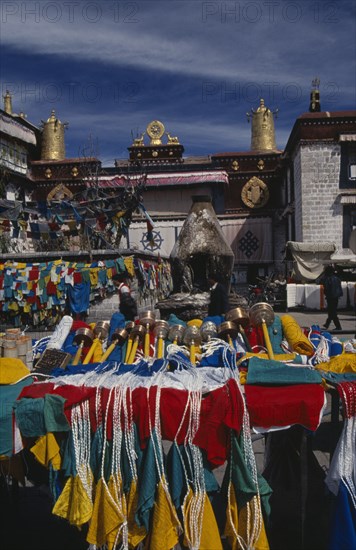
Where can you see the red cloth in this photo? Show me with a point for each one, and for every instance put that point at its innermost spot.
(284, 406)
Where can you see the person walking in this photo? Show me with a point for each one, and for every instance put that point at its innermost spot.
(332, 291)
(128, 306)
(219, 301)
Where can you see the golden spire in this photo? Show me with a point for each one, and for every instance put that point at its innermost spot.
(314, 105)
(53, 146)
(8, 103)
(262, 128)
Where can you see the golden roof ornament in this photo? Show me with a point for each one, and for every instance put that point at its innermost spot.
(314, 105)
(262, 128)
(53, 146)
(8, 103)
(155, 131)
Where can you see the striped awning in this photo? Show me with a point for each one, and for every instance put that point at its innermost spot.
(162, 180)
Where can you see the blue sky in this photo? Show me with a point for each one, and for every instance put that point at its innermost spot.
(110, 67)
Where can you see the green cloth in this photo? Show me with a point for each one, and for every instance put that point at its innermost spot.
(275, 332)
(36, 417)
(269, 371)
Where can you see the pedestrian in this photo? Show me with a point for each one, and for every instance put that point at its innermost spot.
(219, 301)
(332, 291)
(128, 306)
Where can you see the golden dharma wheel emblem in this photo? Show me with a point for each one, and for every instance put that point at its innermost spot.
(255, 193)
(260, 165)
(235, 165)
(155, 129)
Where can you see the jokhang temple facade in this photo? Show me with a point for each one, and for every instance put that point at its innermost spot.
(263, 197)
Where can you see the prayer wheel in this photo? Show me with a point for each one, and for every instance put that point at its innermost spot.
(262, 314)
(118, 338)
(208, 330)
(137, 334)
(160, 330)
(147, 320)
(241, 318)
(83, 338)
(192, 337)
(128, 327)
(176, 334)
(101, 331)
(227, 331)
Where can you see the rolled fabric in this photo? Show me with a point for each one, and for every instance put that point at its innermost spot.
(295, 336)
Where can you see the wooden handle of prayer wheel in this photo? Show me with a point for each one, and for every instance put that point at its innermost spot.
(229, 339)
(159, 348)
(147, 342)
(109, 351)
(78, 355)
(90, 353)
(133, 350)
(267, 340)
(128, 349)
(192, 354)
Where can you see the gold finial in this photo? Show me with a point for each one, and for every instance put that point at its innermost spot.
(8, 103)
(155, 131)
(314, 105)
(53, 146)
(262, 131)
(172, 140)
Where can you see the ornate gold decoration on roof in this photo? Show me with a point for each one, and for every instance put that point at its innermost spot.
(155, 131)
(235, 165)
(138, 142)
(8, 103)
(59, 192)
(260, 164)
(53, 147)
(314, 105)
(255, 193)
(172, 140)
(262, 128)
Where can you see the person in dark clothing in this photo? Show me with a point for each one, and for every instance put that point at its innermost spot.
(219, 301)
(332, 291)
(128, 306)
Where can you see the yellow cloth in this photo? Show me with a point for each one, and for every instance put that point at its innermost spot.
(74, 504)
(129, 264)
(136, 533)
(195, 323)
(243, 376)
(46, 450)
(236, 522)
(346, 362)
(295, 336)
(93, 274)
(107, 518)
(12, 370)
(165, 529)
(210, 536)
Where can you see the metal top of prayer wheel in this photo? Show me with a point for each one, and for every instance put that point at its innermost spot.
(176, 332)
(261, 312)
(192, 335)
(120, 336)
(129, 326)
(85, 335)
(139, 331)
(208, 330)
(161, 329)
(239, 316)
(228, 328)
(148, 318)
(101, 329)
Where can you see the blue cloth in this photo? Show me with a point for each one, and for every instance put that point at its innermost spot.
(343, 522)
(78, 297)
(275, 332)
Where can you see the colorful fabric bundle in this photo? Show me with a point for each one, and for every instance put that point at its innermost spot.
(295, 336)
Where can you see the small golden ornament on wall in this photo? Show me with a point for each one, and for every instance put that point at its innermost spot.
(235, 165)
(255, 193)
(260, 165)
(48, 173)
(75, 172)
